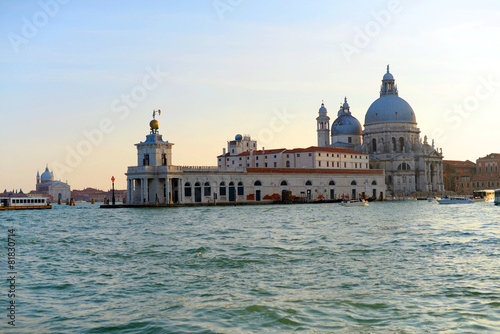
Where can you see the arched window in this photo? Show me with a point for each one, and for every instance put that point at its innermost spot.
(353, 183)
(393, 144)
(389, 179)
(241, 190)
(284, 183)
(331, 183)
(309, 183)
(222, 189)
(401, 144)
(257, 183)
(374, 183)
(207, 190)
(374, 145)
(187, 189)
(288, 164)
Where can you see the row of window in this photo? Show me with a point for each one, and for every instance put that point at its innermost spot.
(207, 189)
(486, 168)
(145, 161)
(310, 154)
(222, 186)
(28, 200)
(490, 184)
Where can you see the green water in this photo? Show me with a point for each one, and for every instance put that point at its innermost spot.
(401, 267)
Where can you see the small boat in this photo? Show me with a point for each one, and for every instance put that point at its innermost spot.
(433, 199)
(354, 202)
(24, 203)
(455, 200)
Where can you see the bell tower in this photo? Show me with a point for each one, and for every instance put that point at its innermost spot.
(323, 127)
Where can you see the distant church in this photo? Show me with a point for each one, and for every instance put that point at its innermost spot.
(391, 138)
(46, 185)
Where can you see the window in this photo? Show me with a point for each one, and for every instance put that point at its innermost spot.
(345, 164)
(284, 183)
(265, 165)
(145, 161)
(319, 154)
(257, 183)
(327, 164)
(164, 159)
(331, 183)
(275, 164)
(349, 140)
(309, 183)
(288, 164)
(241, 191)
(338, 164)
(374, 145)
(319, 163)
(257, 164)
(298, 155)
(275, 156)
(374, 183)
(187, 189)
(310, 154)
(207, 191)
(353, 183)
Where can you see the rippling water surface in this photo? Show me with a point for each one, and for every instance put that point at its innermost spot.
(402, 267)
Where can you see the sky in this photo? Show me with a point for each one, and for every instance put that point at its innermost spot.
(80, 79)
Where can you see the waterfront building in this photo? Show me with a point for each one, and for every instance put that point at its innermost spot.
(392, 139)
(457, 176)
(46, 185)
(487, 174)
(97, 195)
(246, 175)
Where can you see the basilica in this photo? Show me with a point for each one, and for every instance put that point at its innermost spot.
(392, 140)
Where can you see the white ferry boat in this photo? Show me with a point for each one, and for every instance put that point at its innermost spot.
(455, 200)
(497, 197)
(487, 195)
(24, 203)
(355, 202)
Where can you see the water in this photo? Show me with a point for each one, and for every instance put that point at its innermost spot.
(400, 267)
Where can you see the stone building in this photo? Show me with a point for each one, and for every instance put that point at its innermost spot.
(246, 175)
(392, 139)
(46, 185)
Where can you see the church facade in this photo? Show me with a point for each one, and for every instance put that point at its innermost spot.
(46, 185)
(392, 140)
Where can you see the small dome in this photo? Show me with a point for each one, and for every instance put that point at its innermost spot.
(388, 76)
(238, 137)
(322, 109)
(390, 108)
(346, 125)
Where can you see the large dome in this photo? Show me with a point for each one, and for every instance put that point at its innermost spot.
(346, 125)
(46, 176)
(390, 108)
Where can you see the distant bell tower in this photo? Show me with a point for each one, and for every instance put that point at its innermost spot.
(323, 127)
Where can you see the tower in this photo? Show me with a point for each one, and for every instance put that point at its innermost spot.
(323, 127)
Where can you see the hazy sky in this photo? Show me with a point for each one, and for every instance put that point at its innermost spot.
(80, 79)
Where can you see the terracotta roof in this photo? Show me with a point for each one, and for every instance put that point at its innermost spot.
(458, 163)
(298, 150)
(315, 171)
